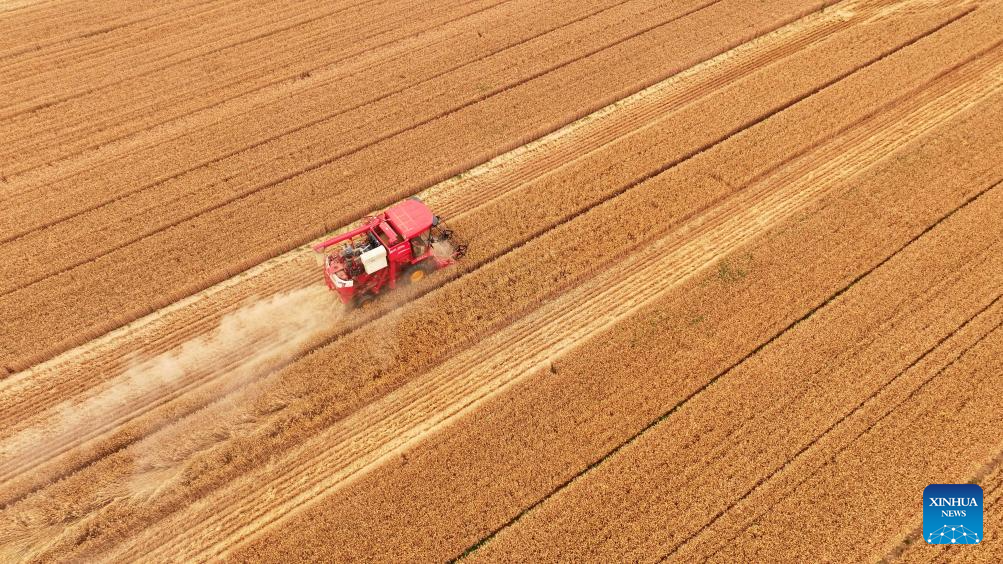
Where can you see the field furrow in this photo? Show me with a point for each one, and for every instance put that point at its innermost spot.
(51, 23)
(841, 435)
(197, 432)
(937, 419)
(168, 150)
(914, 549)
(332, 102)
(211, 75)
(454, 198)
(192, 256)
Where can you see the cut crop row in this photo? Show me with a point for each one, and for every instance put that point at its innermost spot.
(197, 79)
(331, 458)
(29, 398)
(188, 257)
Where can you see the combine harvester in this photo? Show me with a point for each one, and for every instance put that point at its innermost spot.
(402, 243)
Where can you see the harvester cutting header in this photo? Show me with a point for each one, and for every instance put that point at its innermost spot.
(404, 243)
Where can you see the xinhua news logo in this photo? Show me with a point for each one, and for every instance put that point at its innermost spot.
(952, 514)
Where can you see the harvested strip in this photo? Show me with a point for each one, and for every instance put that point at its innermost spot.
(564, 409)
(21, 402)
(194, 255)
(452, 198)
(77, 432)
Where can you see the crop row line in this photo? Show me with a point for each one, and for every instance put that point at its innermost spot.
(61, 99)
(14, 236)
(41, 56)
(526, 166)
(286, 246)
(804, 450)
(776, 336)
(508, 347)
(633, 183)
(527, 343)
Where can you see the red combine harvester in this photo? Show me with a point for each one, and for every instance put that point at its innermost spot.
(403, 243)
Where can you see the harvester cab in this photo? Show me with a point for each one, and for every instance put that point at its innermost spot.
(401, 245)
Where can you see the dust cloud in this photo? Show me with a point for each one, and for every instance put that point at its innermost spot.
(246, 344)
(443, 248)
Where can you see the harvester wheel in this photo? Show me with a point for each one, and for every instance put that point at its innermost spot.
(418, 272)
(364, 303)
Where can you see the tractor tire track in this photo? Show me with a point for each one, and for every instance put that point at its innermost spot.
(306, 84)
(34, 105)
(63, 13)
(963, 368)
(95, 334)
(179, 294)
(805, 453)
(147, 107)
(888, 143)
(30, 70)
(255, 65)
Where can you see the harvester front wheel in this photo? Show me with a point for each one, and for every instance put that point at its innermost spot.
(418, 272)
(364, 303)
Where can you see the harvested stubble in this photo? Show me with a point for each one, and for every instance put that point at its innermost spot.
(339, 122)
(776, 406)
(190, 256)
(528, 440)
(28, 28)
(303, 397)
(157, 333)
(612, 180)
(202, 138)
(259, 48)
